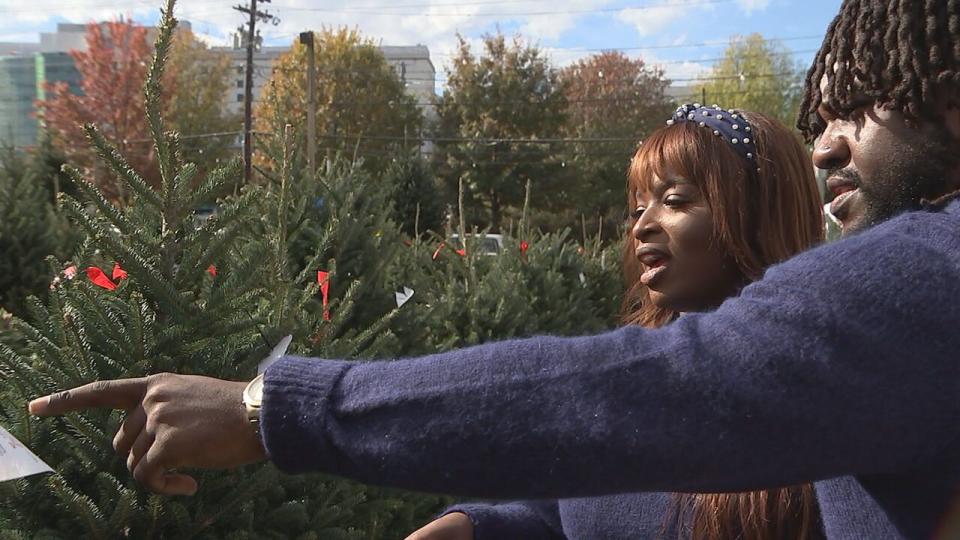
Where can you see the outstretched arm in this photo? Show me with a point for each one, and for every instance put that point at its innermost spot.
(840, 361)
(810, 373)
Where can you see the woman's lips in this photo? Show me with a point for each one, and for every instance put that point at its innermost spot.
(655, 262)
(651, 274)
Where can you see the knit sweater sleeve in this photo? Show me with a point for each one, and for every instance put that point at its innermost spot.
(520, 520)
(839, 361)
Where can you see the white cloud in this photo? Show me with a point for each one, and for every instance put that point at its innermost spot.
(749, 6)
(434, 23)
(210, 40)
(655, 18)
(80, 11)
(550, 27)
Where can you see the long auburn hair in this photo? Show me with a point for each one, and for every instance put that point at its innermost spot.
(762, 214)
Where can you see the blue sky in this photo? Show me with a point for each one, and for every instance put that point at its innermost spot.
(681, 35)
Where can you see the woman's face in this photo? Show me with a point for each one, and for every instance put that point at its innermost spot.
(681, 264)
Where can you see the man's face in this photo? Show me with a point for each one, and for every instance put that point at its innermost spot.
(877, 166)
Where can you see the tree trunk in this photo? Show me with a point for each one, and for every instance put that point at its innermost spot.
(495, 216)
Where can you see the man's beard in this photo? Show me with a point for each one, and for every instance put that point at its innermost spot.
(913, 174)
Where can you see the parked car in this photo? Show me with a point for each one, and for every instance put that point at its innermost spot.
(489, 244)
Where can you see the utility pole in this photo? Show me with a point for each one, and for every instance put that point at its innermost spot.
(306, 38)
(248, 86)
(403, 81)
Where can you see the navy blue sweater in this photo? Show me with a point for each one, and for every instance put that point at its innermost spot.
(840, 366)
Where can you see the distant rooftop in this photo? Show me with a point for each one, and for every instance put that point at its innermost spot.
(17, 49)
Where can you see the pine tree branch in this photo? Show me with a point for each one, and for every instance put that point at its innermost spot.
(221, 243)
(111, 212)
(36, 337)
(368, 335)
(21, 372)
(233, 218)
(138, 336)
(111, 325)
(262, 480)
(125, 508)
(36, 311)
(162, 291)
(117, 163)
(172, 188)
(153, 91)
(81, 505)
(182, 184)
(217, 182)
(79, 344)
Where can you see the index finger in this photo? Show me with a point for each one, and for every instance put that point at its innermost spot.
(114, 394)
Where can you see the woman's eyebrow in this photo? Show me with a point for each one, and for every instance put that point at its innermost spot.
(674, 181)
(660, 185)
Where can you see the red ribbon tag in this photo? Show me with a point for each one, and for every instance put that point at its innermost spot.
(119, 273)
(323, 278)
(98, 278)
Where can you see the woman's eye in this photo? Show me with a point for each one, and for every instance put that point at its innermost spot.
(674, 200)
(637, 212)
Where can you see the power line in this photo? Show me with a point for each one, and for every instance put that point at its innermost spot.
(451, 4)
(380, 11)
(109, 5)
(267, 72)
(713, 43)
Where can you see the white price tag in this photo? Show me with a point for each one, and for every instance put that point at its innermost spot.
(16, 461)
(403, 297)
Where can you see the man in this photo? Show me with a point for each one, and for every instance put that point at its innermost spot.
(884, 105)
(851, 381)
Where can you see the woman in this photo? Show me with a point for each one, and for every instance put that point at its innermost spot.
(709, 216)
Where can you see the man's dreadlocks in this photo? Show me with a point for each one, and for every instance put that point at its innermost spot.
(901, 54)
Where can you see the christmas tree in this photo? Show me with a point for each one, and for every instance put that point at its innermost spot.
(30, 227)
(316, 254)
(158, 289)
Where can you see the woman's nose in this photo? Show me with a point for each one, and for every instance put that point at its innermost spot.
(647, 225)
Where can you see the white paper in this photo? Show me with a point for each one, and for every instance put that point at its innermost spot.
(16, 461)
(402, 297)
(277, 353)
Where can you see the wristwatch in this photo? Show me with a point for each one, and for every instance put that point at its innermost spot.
(252, 398)
(253, 393)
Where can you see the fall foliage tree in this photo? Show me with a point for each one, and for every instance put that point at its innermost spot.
(362, 107)
(199, 79)
(756, 74)
(112, 70)
(493, 116)
(613, 102)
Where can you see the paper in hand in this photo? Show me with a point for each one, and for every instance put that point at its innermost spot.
(16, 461)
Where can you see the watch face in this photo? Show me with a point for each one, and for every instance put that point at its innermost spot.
(253, 395)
